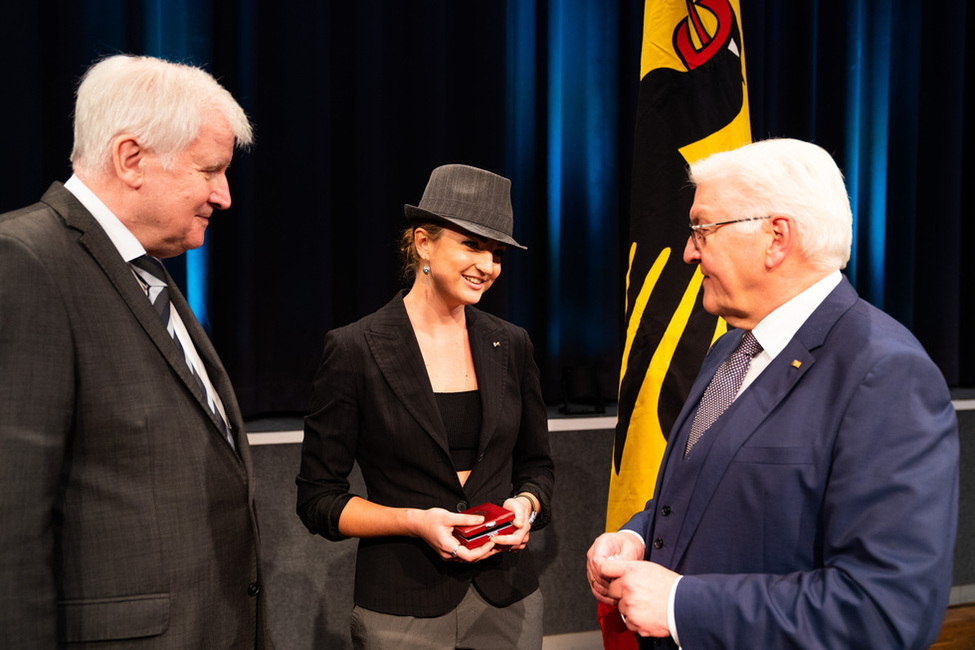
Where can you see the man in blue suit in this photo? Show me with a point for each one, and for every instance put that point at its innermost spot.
(819, 508)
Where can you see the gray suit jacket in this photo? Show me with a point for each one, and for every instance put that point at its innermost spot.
(126, 516)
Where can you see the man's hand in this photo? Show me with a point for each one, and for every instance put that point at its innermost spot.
(642, 591)
(616, 546)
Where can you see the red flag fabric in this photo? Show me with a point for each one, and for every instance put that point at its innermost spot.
(615, 634)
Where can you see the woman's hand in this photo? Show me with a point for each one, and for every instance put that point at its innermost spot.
(436, 527)
(522, 507)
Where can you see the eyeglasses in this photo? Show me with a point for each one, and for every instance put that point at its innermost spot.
(699, 231)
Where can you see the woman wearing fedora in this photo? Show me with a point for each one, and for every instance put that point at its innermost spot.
(440, 405)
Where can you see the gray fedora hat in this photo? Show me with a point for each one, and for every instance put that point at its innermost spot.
(476, 200)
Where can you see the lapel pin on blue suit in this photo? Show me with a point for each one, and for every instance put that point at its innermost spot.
(796, 363)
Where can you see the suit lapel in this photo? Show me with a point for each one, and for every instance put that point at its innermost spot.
(715, 357)
(215, 370)
(397, 354)
(677, 440)
(747, 413)
(395, 349)
(677, 436)
(490, 348)
(119, 273)
(723, 441)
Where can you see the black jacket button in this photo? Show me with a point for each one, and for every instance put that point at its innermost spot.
(665, 511)
(658, 543)
(462, 506)
(253, 589)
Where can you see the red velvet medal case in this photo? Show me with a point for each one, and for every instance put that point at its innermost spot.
(497, 521)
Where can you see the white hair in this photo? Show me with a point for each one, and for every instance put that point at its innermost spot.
(161, 103)
(786, 177)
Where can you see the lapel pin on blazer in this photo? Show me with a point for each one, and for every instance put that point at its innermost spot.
(497, 344)
(796, 363)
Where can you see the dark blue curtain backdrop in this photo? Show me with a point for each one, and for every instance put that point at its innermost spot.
(355, 102)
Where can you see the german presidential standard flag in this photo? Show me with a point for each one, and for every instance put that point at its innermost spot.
(692, 103)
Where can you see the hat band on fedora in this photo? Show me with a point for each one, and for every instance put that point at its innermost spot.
(414, 214)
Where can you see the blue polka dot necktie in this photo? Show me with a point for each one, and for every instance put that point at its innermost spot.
(723, 388)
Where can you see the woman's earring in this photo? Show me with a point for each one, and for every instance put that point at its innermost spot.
(426, 272)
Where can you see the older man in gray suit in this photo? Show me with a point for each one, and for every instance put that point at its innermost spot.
(126, 495)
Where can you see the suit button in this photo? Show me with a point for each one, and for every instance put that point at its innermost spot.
(253, 589)
(665, 511)
(658, 543)
(462, 506)
(480, 457)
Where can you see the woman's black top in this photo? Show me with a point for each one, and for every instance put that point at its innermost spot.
(461, 414)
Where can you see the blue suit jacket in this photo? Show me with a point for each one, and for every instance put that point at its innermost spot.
(820, 510)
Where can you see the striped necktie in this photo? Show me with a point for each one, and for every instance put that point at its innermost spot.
(151, 274)
(723, 388)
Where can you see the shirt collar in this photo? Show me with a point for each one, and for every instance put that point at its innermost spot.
(776, 330)
(126, 243)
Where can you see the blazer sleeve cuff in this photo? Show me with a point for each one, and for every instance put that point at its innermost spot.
(544, 510)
